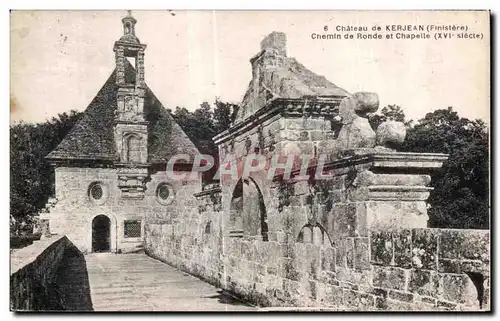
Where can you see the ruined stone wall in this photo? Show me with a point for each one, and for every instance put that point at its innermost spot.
(314, 275)
(328, 245)
(353, 268)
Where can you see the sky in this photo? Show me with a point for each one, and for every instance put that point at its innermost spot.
(60, 59)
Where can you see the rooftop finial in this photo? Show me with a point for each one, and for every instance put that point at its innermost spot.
(129, 28)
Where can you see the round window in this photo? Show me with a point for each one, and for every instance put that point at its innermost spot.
(98, 193)
(165, 193)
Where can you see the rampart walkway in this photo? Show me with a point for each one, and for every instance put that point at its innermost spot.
(136, 282)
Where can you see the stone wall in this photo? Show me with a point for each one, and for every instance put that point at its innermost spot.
(33, 273)
(356, 241)
(381, 272)
(188, 235)
(431, 269)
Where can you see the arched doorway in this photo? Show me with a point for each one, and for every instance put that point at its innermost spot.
(101, 236)
(254, 209)
(247, 211)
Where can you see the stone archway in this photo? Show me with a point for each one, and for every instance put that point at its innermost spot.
(247, 214)
(254, 210)
(101, 234)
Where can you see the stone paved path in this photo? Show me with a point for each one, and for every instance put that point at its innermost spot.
(136, 282)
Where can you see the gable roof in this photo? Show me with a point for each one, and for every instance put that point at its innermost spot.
(290, 81)
(92, 137)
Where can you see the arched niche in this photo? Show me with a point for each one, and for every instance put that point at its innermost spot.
(131, 148)
(314, 233)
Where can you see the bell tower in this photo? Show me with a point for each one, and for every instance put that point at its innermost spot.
(130, 126)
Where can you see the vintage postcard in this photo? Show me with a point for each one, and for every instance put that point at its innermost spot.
(249, 160)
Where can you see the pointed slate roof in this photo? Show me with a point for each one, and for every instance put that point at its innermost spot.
(92, 138)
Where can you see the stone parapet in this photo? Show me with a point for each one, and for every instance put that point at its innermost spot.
(33, 270)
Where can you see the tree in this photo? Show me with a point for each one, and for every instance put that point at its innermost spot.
(203, 124)
(224, 115)
(460, 198)
(389, 112)
(32, 178)
(198, 126)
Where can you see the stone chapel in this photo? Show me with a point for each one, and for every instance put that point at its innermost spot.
(110, 168)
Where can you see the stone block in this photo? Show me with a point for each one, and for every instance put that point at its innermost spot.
(381, 303)
(317, 135)
(366, 102)
(393, 214)
(467, 244)
(362, 228)
(328, 259)
(275, 40)
(295, 135)
(448, 266)
(358, 300)
(247, 251)
(297, 148)
(429, 300)
(390, 277)
(306, 124)
(402, 248)
(382, 247)
(475, 266)
(333, 296)
(328, 277)
(395, 305)
(349, 245)
(311, 290)
(290, 289)
(423, 282)
(459, 288)
(289, 270)
(361, 253)
(451, 242)
(272, 270)
(340, 253)
(424, 248)
(362, 279)
(345, 218)
(446, 305)
(260, 269)
(400, 296)
(379, 292)
(368, 178)
(391, 133)
(357, 134)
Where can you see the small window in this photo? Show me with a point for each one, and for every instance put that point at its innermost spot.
(132, 229)
(165, 194)
(98, 192)
(208, 227)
